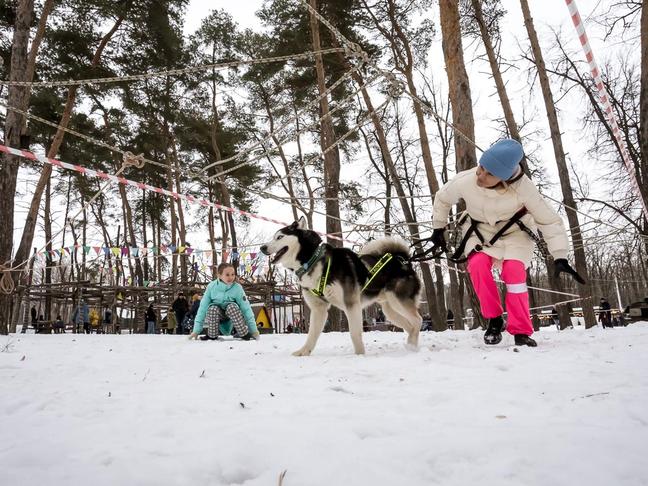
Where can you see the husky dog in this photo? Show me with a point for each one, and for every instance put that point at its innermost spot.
(342, 278)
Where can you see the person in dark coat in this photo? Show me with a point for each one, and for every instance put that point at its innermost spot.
(605, 313)
(59, 325)
(180, 307)
(450, 319)
(151, 319)
(191, 315)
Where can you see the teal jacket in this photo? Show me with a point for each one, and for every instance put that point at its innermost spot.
(220, 294)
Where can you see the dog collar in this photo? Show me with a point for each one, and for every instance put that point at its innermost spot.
(319, 253)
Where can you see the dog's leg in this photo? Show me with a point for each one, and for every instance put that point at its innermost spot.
(319, 310)
(354, 316)
(396, 318)
(409, 311)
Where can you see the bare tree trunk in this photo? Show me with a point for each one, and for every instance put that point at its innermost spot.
(459, 85)
(12, 131)
(460, 100)
(144, 256)
(48, 6)
(439, 322)
(404, 60)
(559, 153)
(212, 229)
(32, 216)
(384, 173)
(168, 154)
(300, 158)
(643, 106)
(182, 229)
(47, 219)
(327, 138)
(226, 218)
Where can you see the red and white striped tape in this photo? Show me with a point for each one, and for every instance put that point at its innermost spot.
(603, 95)
(139, 185)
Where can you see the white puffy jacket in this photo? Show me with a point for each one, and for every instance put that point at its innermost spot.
(493, 208)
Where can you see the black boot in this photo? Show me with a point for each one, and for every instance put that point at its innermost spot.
(206, 337)
(493, 334)
(524, 340)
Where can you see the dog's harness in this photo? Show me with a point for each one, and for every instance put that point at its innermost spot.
(319, 291)
(380, 264)
(319, 253)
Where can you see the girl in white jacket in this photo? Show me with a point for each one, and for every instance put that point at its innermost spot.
(494, 192)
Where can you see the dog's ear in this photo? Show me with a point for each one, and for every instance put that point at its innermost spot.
(301, 224)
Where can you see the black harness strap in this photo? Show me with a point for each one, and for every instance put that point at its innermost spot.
(457, 257)
(514, 220)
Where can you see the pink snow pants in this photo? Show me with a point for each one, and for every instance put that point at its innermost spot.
(517, 298)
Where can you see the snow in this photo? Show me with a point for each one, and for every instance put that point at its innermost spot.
(161, 410)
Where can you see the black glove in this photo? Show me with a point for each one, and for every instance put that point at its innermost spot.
(561, 265)
(438, 239)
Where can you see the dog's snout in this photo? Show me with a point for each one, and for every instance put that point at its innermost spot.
(264, 249)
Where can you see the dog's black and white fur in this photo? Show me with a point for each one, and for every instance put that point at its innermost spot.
(396, 287)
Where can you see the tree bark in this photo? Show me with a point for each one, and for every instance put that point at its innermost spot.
(459, 85)
(327, 138)
(13, 126)
(47, 219)
(568, 196)
(643, 106)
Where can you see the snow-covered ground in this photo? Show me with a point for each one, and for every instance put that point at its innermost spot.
(160, 410)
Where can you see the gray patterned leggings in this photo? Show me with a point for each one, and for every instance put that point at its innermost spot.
(232, 312)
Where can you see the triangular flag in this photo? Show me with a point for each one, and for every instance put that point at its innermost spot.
(115, 251)
(163, 248)
(134, 251)
(86, 249)
(172, 248)
(106, 250)
(181, 249)
(124, 251)
(190, 250)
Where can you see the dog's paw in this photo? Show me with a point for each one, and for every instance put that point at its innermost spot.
(412, 347)
(302, 352)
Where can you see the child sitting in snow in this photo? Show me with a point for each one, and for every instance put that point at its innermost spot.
(224, 306)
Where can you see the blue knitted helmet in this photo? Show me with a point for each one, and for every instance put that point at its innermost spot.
(503, 158)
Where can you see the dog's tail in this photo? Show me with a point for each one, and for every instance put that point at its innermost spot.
(391, 244)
